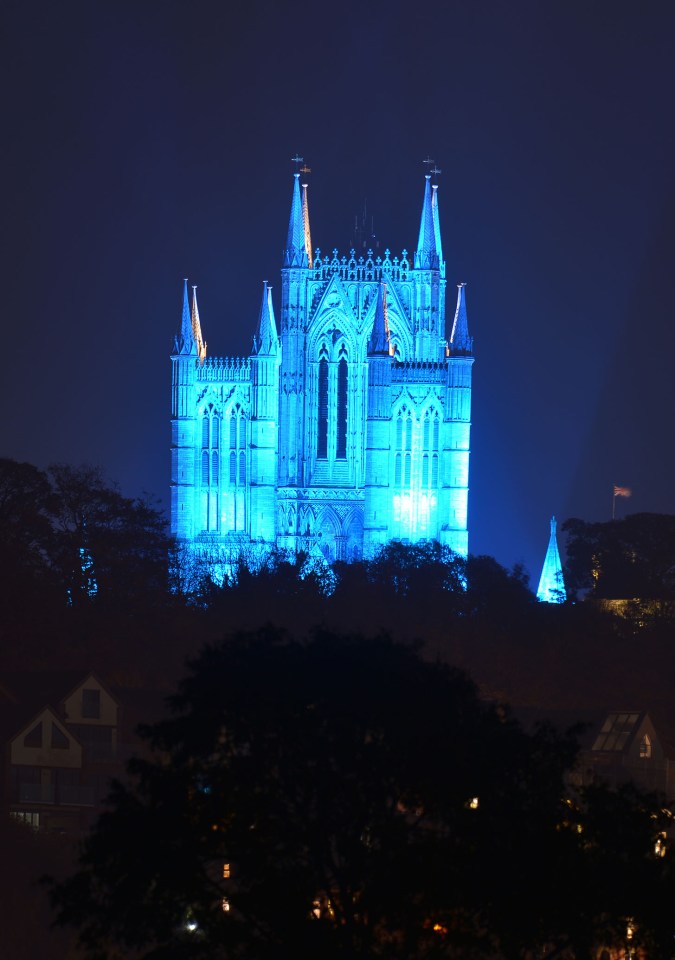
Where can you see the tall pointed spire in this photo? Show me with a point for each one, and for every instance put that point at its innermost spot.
(305, 224)
(437, 225)
(184, 342)
(428, 253)
(380, 338)
(460, 341)
(551, 584)
(295, 254)
(196, 328)
(265, 342)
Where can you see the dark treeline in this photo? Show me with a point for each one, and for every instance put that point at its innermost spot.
(88, 581)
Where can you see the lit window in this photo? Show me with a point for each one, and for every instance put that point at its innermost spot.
(226, 871)
(226, 905)
(645, 747)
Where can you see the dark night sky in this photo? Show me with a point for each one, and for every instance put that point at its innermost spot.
(151, 140)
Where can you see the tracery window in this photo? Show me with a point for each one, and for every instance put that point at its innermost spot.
(322, 439)
(210, 469)
(237, 450)
(332, 406)
(430, 451)
(403, 448)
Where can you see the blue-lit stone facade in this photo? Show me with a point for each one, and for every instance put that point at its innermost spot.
(347, 426)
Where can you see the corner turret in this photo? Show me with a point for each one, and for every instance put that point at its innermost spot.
(379, 343)
(197, 329)
(266, 341)
(298, 242)
(551, 583)
(183, 342)
(460, 341)
(429, 255)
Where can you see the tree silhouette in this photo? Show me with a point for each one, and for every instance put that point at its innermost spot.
(342, 798)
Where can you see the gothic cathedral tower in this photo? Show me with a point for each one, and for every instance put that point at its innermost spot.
(347, 428)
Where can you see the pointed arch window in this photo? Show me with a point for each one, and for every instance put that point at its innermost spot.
(341, 419)
(403, 448)
(430, 451)
(332, 402)
(237, 446)
(210, 444)
(322, 437)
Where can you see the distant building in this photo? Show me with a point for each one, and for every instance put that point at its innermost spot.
(345, 429)
(63, 745)
(551, 587)
(625, 746)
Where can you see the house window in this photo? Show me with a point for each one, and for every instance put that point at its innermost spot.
(91, 704)
(645, 747)
(27, 816)
(34, 737)
(59, 740)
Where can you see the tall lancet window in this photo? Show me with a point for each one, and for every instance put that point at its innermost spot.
(210, 470)
(430, 440)
(237, 446)
(322, 436)
(342, 393)
(234, 470)
(403, 451)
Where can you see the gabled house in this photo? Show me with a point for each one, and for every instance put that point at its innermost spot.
(62, 755)
(625, 746)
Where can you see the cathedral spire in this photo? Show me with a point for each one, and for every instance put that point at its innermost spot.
(196, 328)
(428, 254)
(296, 253)
(551, 584)
(265, 342)
(380, 339)
(460, 341)
(305, 224)
(437, 225)
(184, 342)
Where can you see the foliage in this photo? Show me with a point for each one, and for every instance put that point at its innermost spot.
(367, 804)
(68, 536)
(622, 559)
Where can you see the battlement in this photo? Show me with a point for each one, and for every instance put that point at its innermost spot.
(224, 369)
(420, 371)
(365, 268)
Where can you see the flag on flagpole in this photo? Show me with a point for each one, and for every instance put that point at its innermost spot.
(622, 491)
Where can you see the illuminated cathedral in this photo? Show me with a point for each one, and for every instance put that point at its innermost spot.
(348, 424)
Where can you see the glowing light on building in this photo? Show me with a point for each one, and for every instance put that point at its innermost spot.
(346, 427)
(551, 583)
